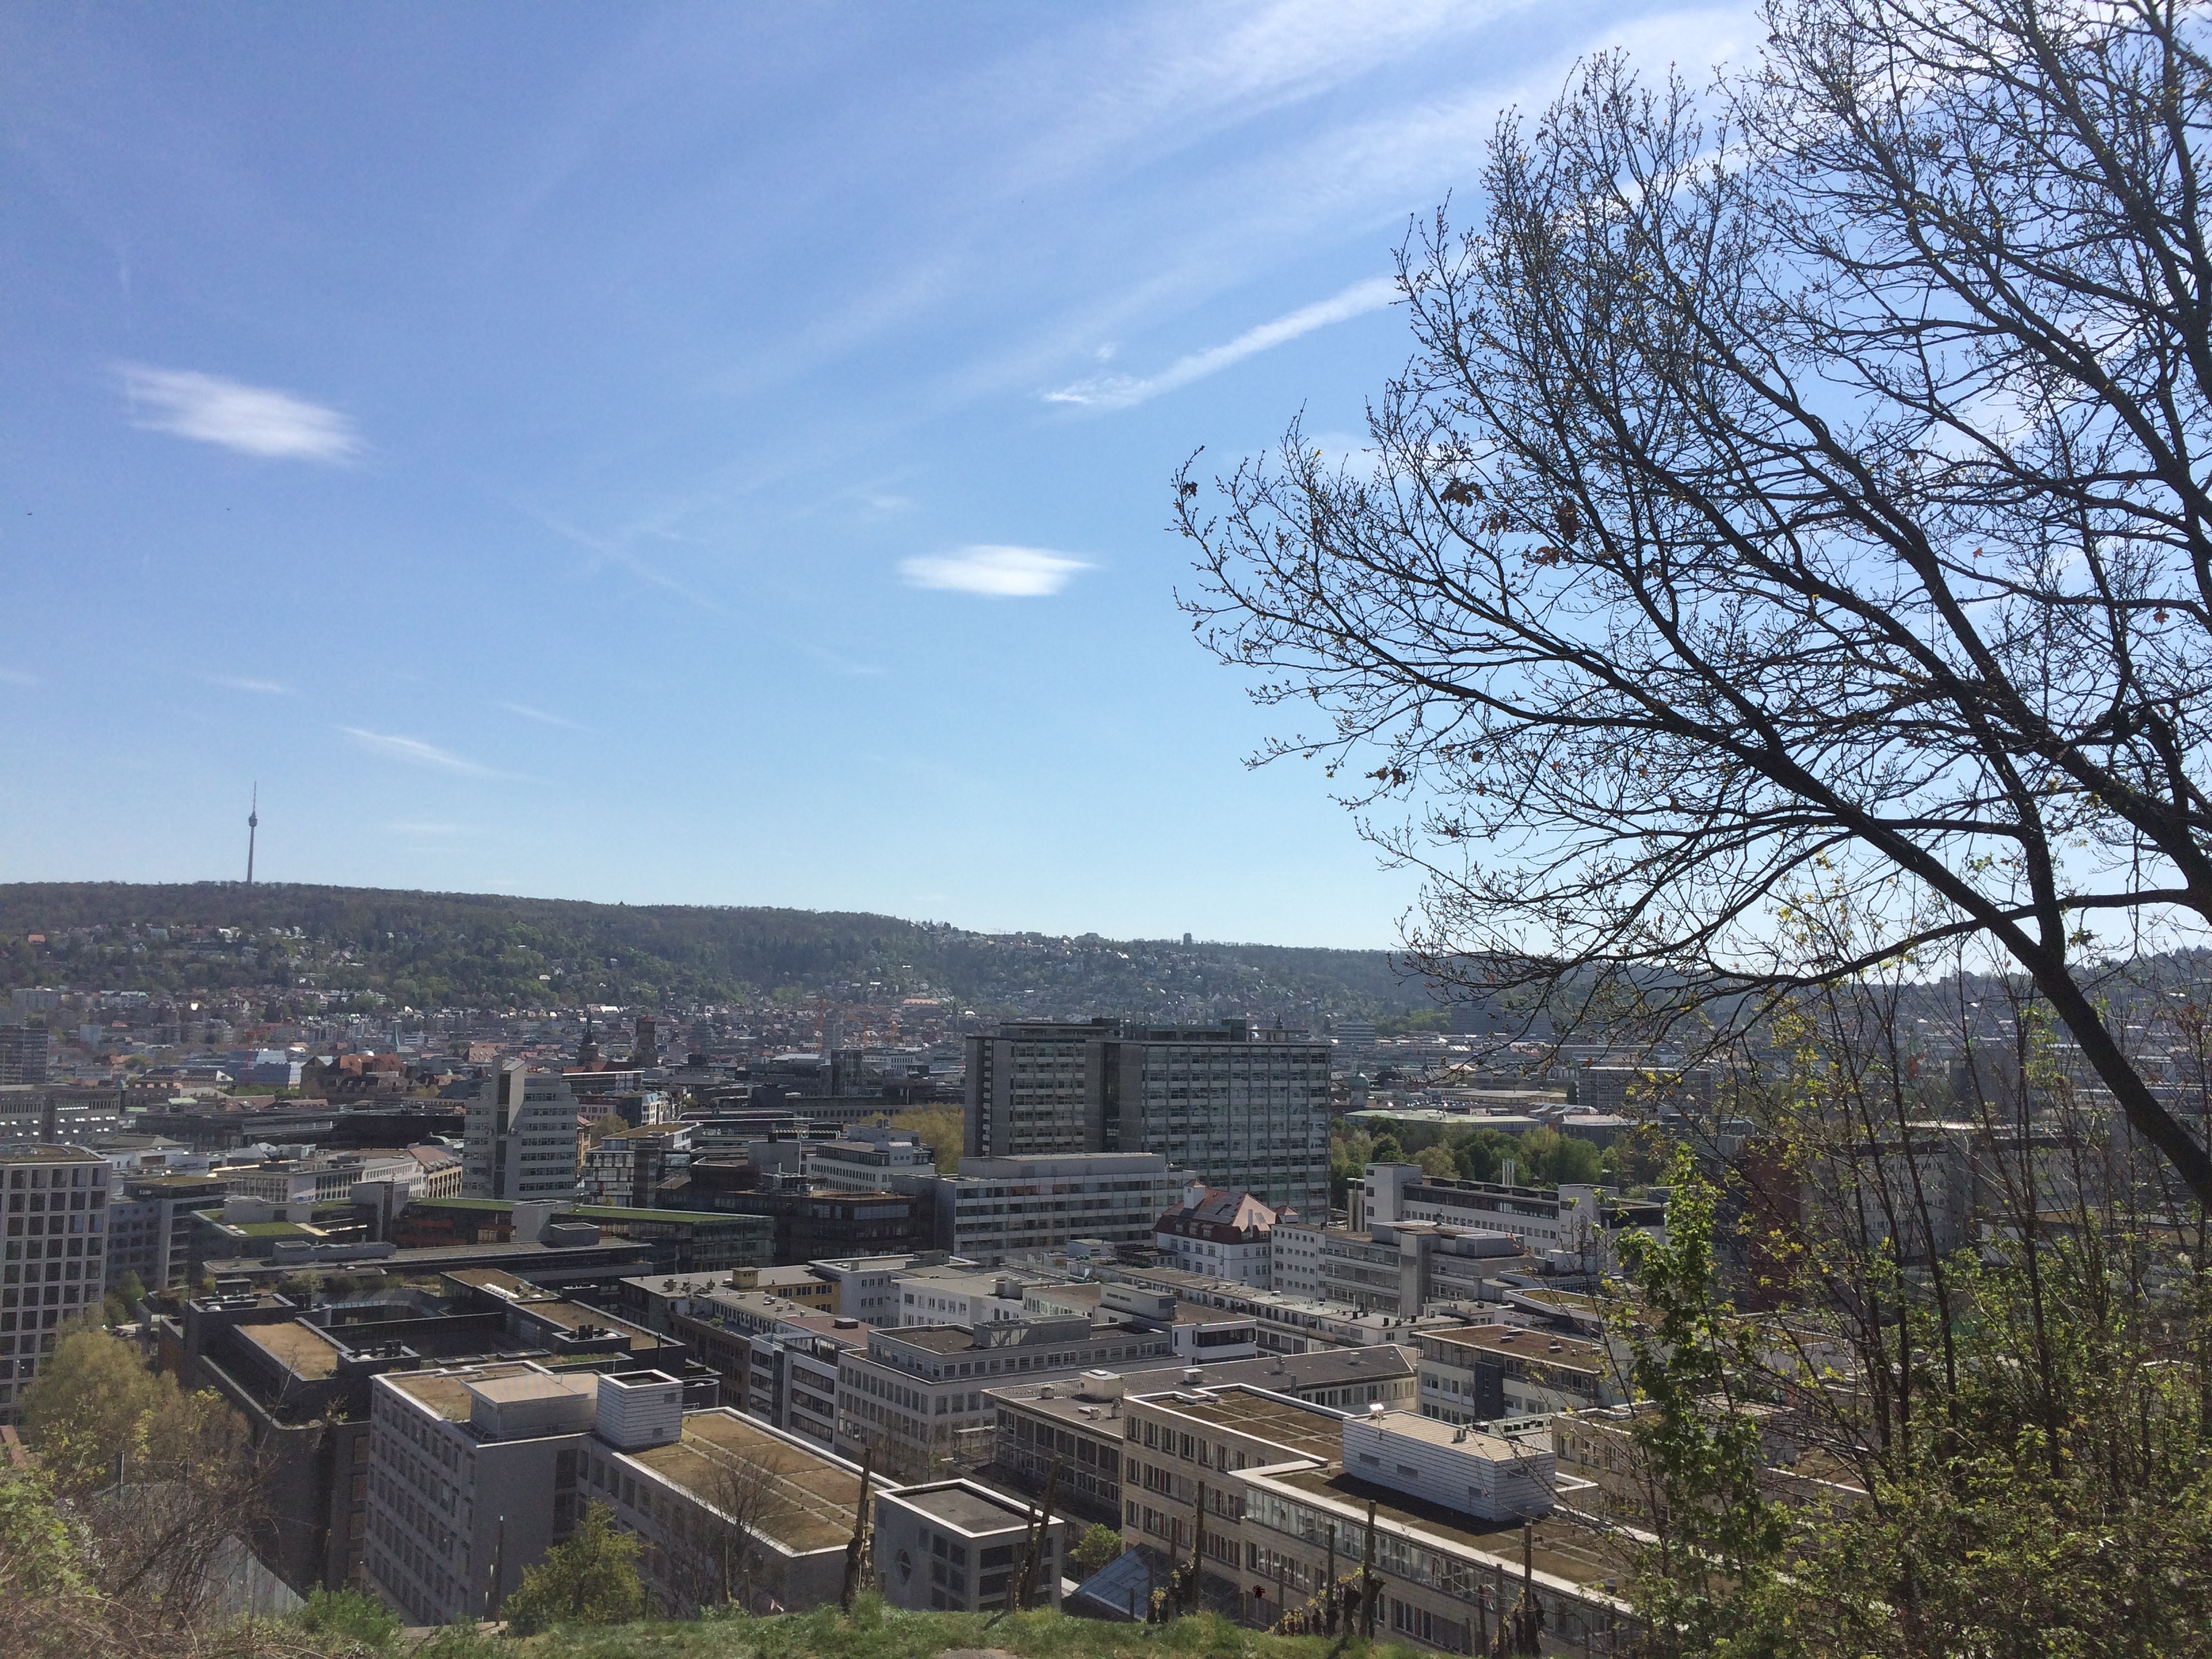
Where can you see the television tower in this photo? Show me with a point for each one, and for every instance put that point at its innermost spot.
(253, 824)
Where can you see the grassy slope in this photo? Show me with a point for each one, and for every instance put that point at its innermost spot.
(876, 1634)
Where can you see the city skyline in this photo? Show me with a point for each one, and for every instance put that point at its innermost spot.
(701, 456)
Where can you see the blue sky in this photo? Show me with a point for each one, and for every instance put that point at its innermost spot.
(709, 454)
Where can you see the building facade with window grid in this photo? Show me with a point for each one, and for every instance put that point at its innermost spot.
(54, 1207)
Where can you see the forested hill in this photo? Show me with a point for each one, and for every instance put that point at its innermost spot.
(484, 949)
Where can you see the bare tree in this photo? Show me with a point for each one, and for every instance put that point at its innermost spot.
(710, 1556)
(1798, 489)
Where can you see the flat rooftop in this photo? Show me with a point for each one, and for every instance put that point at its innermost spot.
(1307, 1430)
(609, 1256)
(531, 1385)
(1563, 1548)
(966, 1509)
(806, 1501)
(1327, 1368)
(502, 1283)
(574, 1315)
(1518, 1342)
(1471, 1438)
(446, 1393)
(297, 1347)
(931, 1339)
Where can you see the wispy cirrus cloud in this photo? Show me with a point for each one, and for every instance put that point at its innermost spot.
(258, 687)
(253, 420)
(996, 572)
(1122, 390)
(413, 751)
(527, 713)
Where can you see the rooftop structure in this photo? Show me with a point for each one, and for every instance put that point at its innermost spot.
(955, 1545)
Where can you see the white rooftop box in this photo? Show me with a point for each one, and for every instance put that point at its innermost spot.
(639, 1409)
(1463, 1468)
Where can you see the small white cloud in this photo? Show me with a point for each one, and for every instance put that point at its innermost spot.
(252, 419)
(259, 687)
(541, 717)
(837, 665)
(1000, 572)
(413, 751)
(19, 677)
(1121, 390)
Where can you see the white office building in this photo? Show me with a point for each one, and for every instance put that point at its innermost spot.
(872, 1160)
(521, 1137)
(1294, 1258)
(1000, 1206)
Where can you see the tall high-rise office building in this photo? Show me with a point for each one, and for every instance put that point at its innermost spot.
(53, 1262)
(1235, 1107)
(521, 1136)
(1029, 1086)
(23, 1051)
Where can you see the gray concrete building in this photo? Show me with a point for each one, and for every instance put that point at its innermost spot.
(1029, 1088)
(954, 1545)
(916, 1397)
(53, 1266)
(1235, 1106)
(1079, 1423)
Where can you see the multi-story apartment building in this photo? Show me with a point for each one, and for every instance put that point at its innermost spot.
(520, 1138)
(916, 1397)
(1199, 1332)
(53, 1264)
(1000, 1206)
(1220, 1233)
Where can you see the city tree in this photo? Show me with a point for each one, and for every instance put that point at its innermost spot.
(1796, 492)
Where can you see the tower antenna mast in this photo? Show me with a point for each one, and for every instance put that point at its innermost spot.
(253, 824)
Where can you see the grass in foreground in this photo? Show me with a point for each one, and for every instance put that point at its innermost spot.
(875, 1632)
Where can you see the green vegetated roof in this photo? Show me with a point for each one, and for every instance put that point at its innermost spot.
(503, 1205)
(613, 1213)
(272, 1228)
